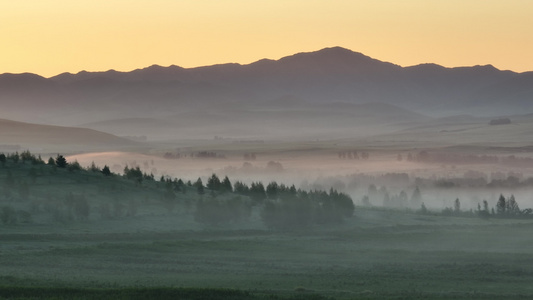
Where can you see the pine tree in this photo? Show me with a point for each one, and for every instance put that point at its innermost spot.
(226, 185)
(512, 206)
(61, 161)
(199, 186)
(501, 205)
(272, 190)
(106, 171)
(93, 167)
(241, 188)
(213, 183)
(15, 157)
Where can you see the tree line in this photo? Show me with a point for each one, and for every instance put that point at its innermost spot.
(281, 206)
(506, 207)
(217, 201)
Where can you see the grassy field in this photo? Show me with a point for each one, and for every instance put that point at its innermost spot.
(433, 257)
(160, 253)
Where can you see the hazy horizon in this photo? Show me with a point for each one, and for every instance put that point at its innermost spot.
(54, 36)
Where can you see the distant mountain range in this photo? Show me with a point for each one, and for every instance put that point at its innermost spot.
(315, 81)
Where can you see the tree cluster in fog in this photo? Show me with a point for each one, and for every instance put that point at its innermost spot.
(500, 121)
(353, 155)
(215, 202)
(299, 209)
(455, 158)
(504, 208)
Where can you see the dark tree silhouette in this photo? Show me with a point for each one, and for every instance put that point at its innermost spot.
(501, 205)
(199, 186)
(134, 174)
(457, 206)
(226, 185)
(106, 171)
(213, 183)
(512, 206)
(93, 167)
(272, 190)
(15, 157)
(241, 188)
(61, 161)
(257, 192)
(26, 156)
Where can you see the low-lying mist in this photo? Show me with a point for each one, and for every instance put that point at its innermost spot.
(374, 179)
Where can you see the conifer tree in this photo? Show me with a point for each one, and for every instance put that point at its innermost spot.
(501, 205)
(199, 186)
(106, 171)
(226, 185)
(61, 161)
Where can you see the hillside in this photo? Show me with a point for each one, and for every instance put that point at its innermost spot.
(52, 138)
(42, 194)
(464, 130)
(268, 121)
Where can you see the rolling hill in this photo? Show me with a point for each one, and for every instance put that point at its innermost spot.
(464, 131)
(269, 122)
(54, 138)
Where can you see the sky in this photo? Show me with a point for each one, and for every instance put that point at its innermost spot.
(48, 37)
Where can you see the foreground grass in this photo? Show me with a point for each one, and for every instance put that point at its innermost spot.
(208, 294)
(121, 293)
(484, 261)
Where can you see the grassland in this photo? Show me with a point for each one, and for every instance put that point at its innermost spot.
(436, 260)
(160, 253)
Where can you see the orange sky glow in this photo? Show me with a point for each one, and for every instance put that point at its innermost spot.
(49, 37)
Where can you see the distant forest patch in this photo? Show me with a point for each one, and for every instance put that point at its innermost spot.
(500, 121)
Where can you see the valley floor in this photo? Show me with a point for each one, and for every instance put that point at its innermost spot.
(376, 254)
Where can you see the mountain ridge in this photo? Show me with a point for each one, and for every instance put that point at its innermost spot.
(325, 76)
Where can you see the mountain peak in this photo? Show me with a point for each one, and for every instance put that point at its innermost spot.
(336, 49)
(336, 60)
(488, 67)
(337, 52)
(21, 80)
